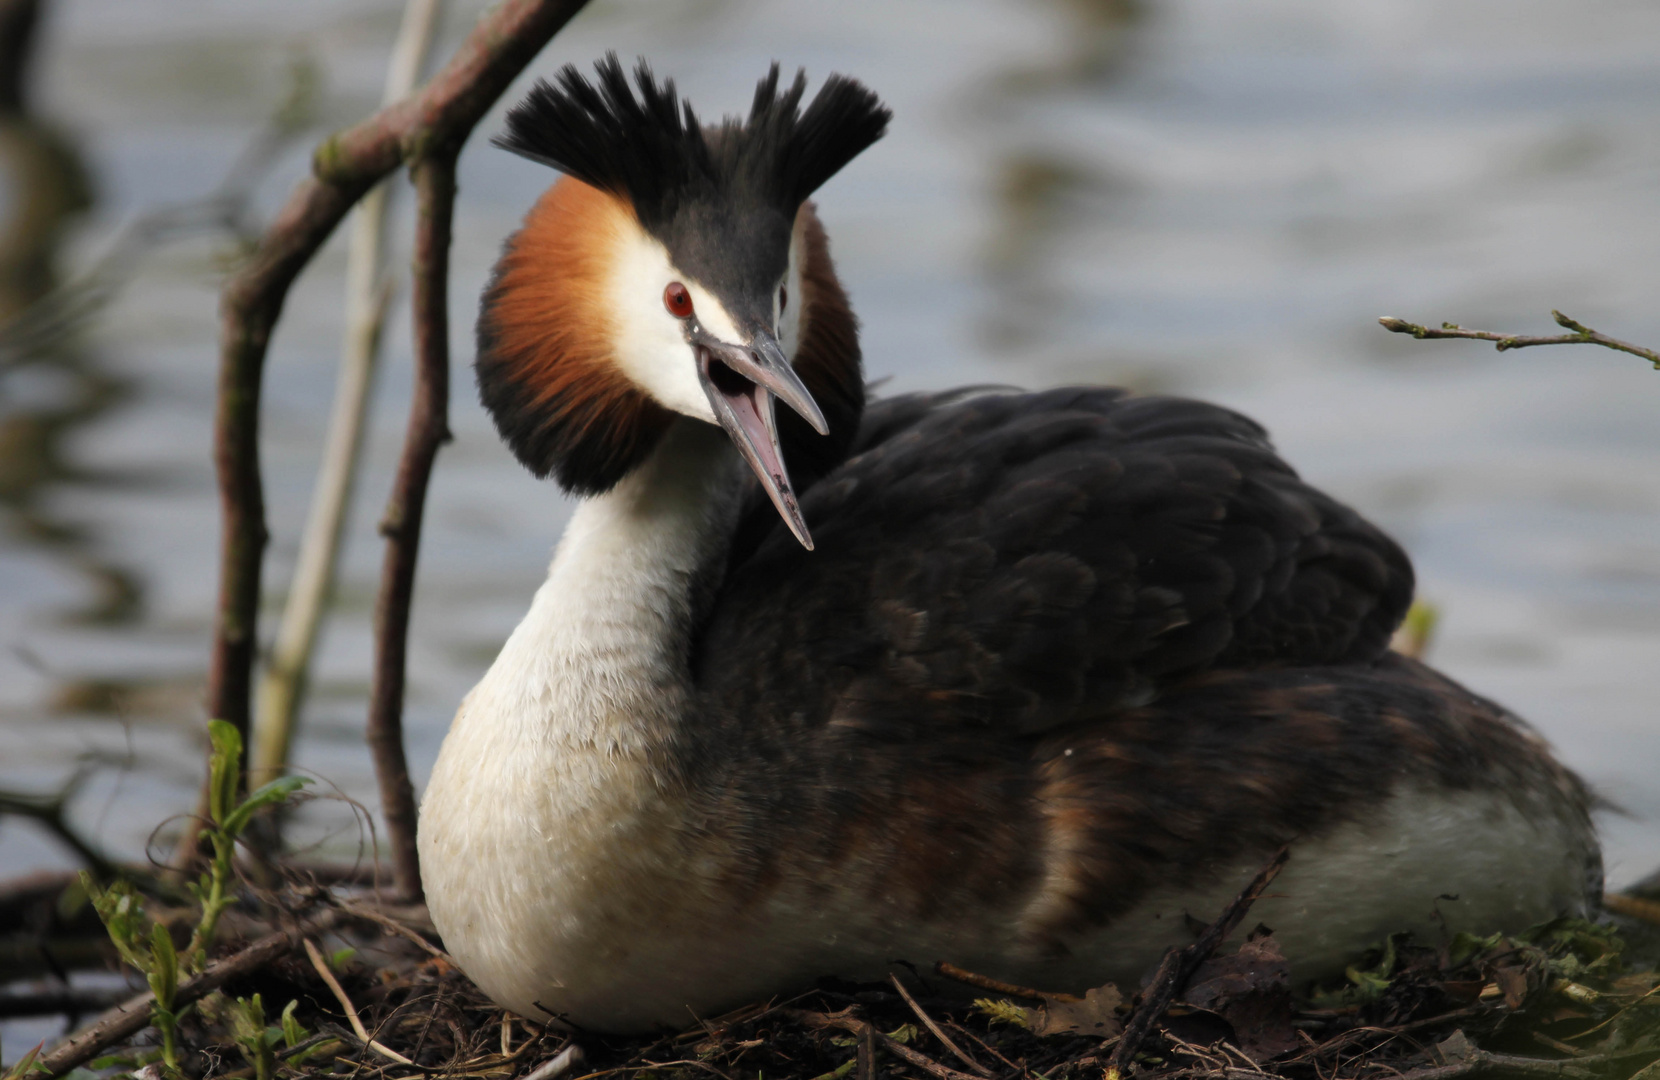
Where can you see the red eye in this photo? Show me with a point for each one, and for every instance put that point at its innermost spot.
(678, 300)
(783, 299)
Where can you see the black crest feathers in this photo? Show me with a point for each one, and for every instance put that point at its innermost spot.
(642, 143)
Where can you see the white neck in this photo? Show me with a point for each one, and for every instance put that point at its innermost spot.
(600, 659)
(550, 793)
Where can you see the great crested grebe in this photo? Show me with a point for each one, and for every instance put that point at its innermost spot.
(1035, 677)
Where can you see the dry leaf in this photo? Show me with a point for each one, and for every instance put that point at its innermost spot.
(1097, 1014)
(1512, 983)
(1455, 1049)
(1251, 990)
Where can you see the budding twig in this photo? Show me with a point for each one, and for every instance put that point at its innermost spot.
(1580, 335)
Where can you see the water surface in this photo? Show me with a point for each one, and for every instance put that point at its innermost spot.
(1189, 195)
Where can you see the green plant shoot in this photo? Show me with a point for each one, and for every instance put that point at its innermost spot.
(148, 946)
(227, 821)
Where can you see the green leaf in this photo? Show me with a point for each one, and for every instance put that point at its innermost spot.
(164, 969)
(292, 1032)
(122, 914)
(26, 1065)
(1465, 947)
(248, 1022)
(276, 791)
(341, 957)
(224, 768)
(128, 1060)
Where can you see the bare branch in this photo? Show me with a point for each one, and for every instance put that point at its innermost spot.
(998, 986)
(52, 812)
(1633, 907)
(368, 296)
(428, 429)
(434, 122)
(928, 1022)
(869, 1037)
(133, 1016)
(322, 967)
(1580, 335)
(1179, 965)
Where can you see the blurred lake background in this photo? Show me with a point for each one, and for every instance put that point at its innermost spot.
(1195, 196)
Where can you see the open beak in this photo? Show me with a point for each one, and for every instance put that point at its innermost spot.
(742, 382)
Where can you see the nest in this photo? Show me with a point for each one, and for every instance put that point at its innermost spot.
(315, 981)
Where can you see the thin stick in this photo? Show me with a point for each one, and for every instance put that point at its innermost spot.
(1179, 965)
(1633, 907)
(558, 1065)
(1483, 1061)
(396, 927)
(322, 967)
(368, 294)
(987, 1047)
(928, 1022)
(1581, 335)
(998, 986)
(865, 1031)
(428, 429)
(133, 1015)
(50, 812)
(865, 1057)
(345, 167)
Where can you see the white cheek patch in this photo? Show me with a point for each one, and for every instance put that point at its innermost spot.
(650, 344)
(711, 315)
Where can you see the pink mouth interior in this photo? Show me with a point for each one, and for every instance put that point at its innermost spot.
(745, 400)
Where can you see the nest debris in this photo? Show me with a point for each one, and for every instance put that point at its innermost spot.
(359, 991)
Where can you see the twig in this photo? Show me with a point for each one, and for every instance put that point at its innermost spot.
(987, 1047)
(998, 986)
(322, 967)
(1633, 907)
(1336, 1044)
(428, 429)
(133, 1015)
(913, 1057)
(352, 1038)
(863, 1030)
(558, 1065)
(1179, 965)
(50, 811)
(1482, 1061)
(368, 295)
(396, 927)
(344, 168)
(928, 1022)
(1581, 335)
(864, 1056)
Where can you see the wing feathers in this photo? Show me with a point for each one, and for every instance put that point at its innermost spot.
(1026, 558)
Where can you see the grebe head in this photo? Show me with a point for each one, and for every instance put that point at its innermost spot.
(663, 274)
